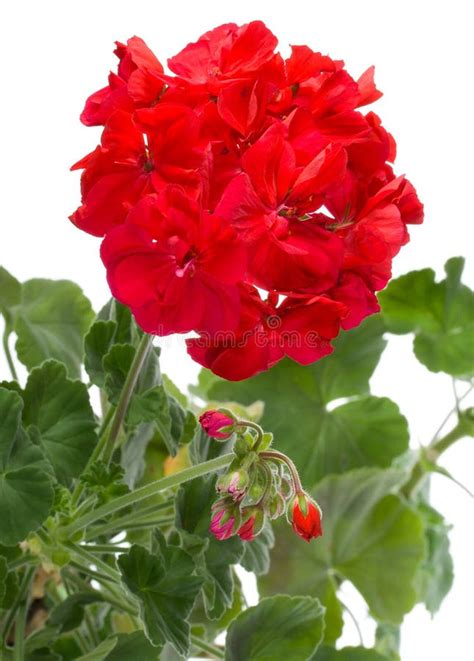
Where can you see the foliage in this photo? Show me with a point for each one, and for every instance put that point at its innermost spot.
(104, 527)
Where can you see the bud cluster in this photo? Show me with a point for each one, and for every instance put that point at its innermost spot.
(260, 484)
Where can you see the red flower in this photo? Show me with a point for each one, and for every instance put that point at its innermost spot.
(265, 204)
(138, 80)
(298, 328)
(135, 159)
(176, 267)
(306, 517)
(243, 170)
(217, 425)
(227, 52)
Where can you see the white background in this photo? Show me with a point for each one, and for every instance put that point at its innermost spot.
(55, 53)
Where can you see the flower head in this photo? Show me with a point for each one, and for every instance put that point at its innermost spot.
(241, 188)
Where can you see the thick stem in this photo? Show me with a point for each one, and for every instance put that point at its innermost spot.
(6, 348)
(146, 492)
(204, 646)
(126, 394)
(279, 456)
(115, 416)
(20, 626)
(435, 450)
(20, 598)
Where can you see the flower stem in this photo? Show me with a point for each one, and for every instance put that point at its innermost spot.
(8, 355)
(20, 598)
(204, 646)
(115, 416)
(279, 456)
(20, 626)
(435, 450)
(256, 428)
(126, 394)
(105, 548)
(145, 492)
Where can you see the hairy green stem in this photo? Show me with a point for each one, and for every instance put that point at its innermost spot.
(20, 598)
(6, 348)
(105, 548)
(106, 592)
(126, 394)
(435, 450)
(90, 559)
(115, 416)
(145, 492)
(256, 428)
(279, 456)
(204, 646)
(121, 523)
(20, 626)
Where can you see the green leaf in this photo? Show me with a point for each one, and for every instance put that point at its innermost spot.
(97, 343)
(105, 481)
(436, 574)
(26, 490)
(50, 322)
(279, 627)
(60, 410)
(371, 537)
(256, 556)
(133, 645)
(321, 439)
(8, 585)
(69, 614)
(347, 654)
(214, 558)
(10, 295)
(387, 641)
(126, 331)
(166, 589)
(438, 313)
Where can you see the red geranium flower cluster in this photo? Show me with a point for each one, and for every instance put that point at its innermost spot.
(246, 197)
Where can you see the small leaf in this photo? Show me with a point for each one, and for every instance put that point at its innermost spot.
(97, 343)
(133, 645)
(166, 589)
(50, 322)
(26, 490)
(279, 627)
(61, 412)
(436, 574)
(69, 614)
(438, 313)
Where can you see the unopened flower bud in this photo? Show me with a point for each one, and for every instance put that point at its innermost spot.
(226, 519)
(217, 425)
(234, 483)
(306, 517)
(276, 506)
(254, 520)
